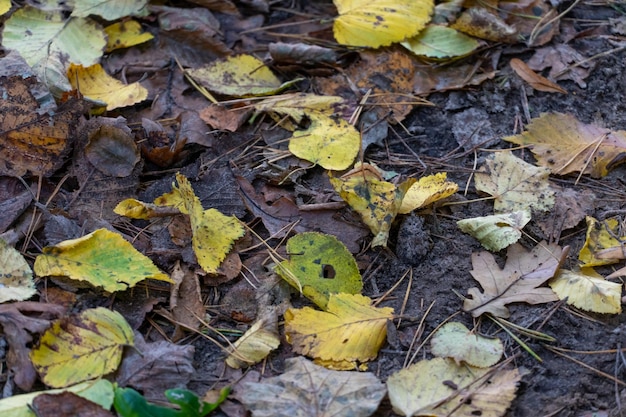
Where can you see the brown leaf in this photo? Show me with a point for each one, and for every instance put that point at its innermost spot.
(560, 60)
(519, 281)
(33, 142)
(15, 199)
(481, 23)
(112, 150)
(185, 300)
(67, 404)
(535, 80)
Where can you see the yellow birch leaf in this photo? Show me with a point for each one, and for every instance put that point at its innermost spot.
(426, 191)
(454, 340)
(351, 329)
(136, 209)
(376, 200)
(238, 76)
(600, 235)
(256, 343)
(439, 387)
(125, 34)
(82, 347)
(93, 82)
(213, 232)
(588, 291)
(298, 105)
(497, 231)
(102, 258)
(563, 144)
(320, 265)
(374, 23)
(16, 277)
(515, 184)
(5, 6)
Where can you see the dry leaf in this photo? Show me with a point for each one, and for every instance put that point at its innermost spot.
(588, 290)
(454, 340)
(535, 80)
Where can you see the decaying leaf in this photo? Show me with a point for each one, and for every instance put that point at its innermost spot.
(112, 150)
(376, 200)
(454, 340)
(379, 22)
(306, 390)
(497, 231)
(519, 281)
(535, 80)
(565, 63)
(125, 34)
(257, 342)
(67, 404)
(601, 235)
(102, 258)
(82, 347)
(320, 265)
(186, 302)
(515, 184)
(16, 277)
(427, 190)
(439, 387)
(351, 330)
(588, 290)
(213, 232)
(564, 145)
(481, 23)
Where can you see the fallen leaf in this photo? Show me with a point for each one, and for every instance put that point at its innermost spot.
(454, 340)
(380, 22)
(67, 404)
(16, 199)
(213, 232)
(5, 6)
(601, 235)
(497, 231)
(94, 83)
(81, 347)
(305, 389)
(441, 42)
(515, 184)
(481, 23)
(535, 80)
(129, 403)
(124, 35)
(376, 200)
(135, 209)
(112, 150)
(16, 278)
(320, 265)
(256, 343)
(588, 290)
(427, 190)
(518, 281)
(439, 387)
(564, 145)
(565, 63)
(351, 330)
(570, 208)
(102, 258)
(110, 9)
(186, 302)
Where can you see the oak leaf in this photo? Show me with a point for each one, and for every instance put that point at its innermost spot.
(519, 280)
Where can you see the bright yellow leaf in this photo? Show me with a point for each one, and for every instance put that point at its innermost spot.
(600, 235)
(515, 184)
(376, 200)
(375, 23)
(256, 343)
(213, 232)
(136, 209)
(320, 265)
(16, 277)
(102, 258)
(454, 340)
(125, 34)
(93, 82)
(426, 191)
(497, 231)
(563, 144)
(351, 329)
(588, 291)
(82, 347)
(5, 6)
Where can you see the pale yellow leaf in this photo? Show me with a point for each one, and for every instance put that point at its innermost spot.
(16, 277)
(588, 290)
(426, 191)
(455, 341)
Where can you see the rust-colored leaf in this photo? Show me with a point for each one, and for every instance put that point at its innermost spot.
(535, 80)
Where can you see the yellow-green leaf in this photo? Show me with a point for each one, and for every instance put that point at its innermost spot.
(110, 9)
(588, 291)
(600, 235)
(497, 231)
(320, 265)
(82, 347)
(102, 258)
(375, 23)
(454, 340)
(441, 42)
(256, 343)
(125, 34)
(427, 190)
(16, 277)
(351, 330)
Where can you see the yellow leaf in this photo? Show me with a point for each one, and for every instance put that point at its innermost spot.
(102, 258)
(298, 105)
(455, 341)
(563, 144)
(515, 184)
(136, 209)
(498, 231)
(256, 343)
(350, 330)
(93, 82)
(320, 265)
(239, 76)
(377, 201)
(426, 191)
(439, 387)
(16, 277)
(588, 291)
(82, 347)
(125, 34)
(213, 232)
(375, 23)
(600, 235)
(5, 6)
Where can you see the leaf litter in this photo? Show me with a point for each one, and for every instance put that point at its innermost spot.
(227, 291)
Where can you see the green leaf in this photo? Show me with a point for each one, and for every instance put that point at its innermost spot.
(129, 403)
(110, 9)
(441, 42)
